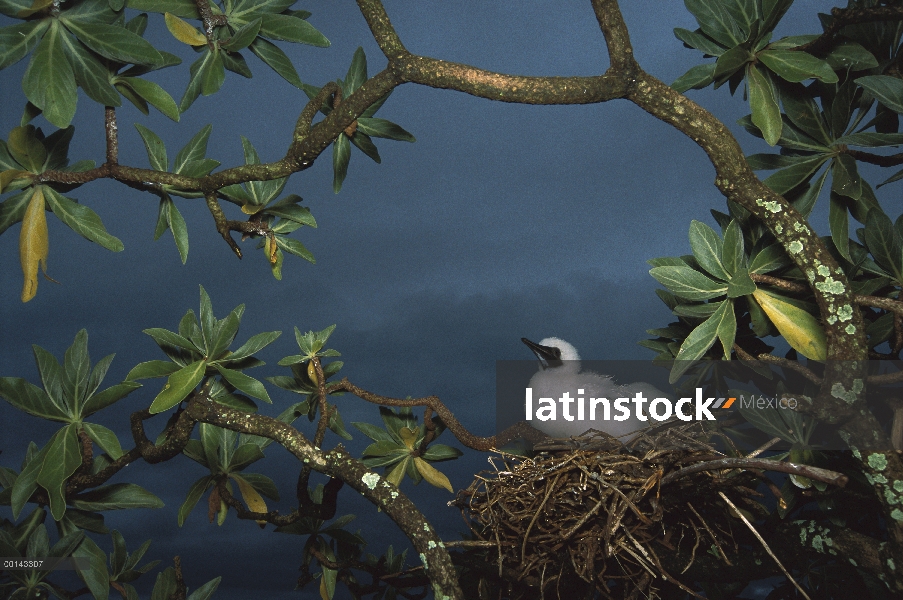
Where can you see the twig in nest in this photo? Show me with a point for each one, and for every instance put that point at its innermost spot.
(764, 545)
(712, 535)
(549, 490)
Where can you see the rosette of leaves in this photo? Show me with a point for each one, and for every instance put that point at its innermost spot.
(328, 539)
(201, 351)
(362, 131)
(304, 376)
(738, 34)
(706, 289)
(81, 44)
(242, 24)
(118, 570)
(257, 198)
(25, 154)
(190, 161)
(70, 396)
(30, 583)
(227, 454)
(397, 448)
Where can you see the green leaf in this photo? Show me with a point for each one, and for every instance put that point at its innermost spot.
(341, 155)
(156, 150)
(688, 283)
(235, 62)
(730, 62)
(26, 482)
(694, 311)
(107, 397)
(177, 225)
(740, 284)
(291, 29)
(804, 113)
(884, 243)
(29, 398)
(195, 149)
(104, 438)
(733, 252)
(197, 74)
(768, 259)
(155, 95)
(114, 42)
(81, 220)
(17, 41)
(51, 376)
(76, 367)
(839, 223)
(702, 338)
(277, 60)
(96, 577)
(698, 40)
(298, 214)
(845, 178)
(357, 72)
(213, 75)
(790, 177)
(796, 66)
(799, 328)
(382, 128)
(888, 90)
(205, 591)
(707, 249)
(223, 335)
(440, 452)
(178, 386)
(183, 8)
(850, 56)
(49, 82)
(696, 78)
(716, 22)
(194, 494)
(254, 344)
(871, 140)
(294, 247)
(243, 37)
(90, 74)
(766, 115)
(119, 496)
(245, 455)
(62, 460)
(152, 368)
(244, 383)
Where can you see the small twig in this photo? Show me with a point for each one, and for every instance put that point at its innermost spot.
(764, 544)
(850, 16)
(763, 447)
(209, 19)
(549, 490)
(824, 475)
(222, 226)
(712, 535)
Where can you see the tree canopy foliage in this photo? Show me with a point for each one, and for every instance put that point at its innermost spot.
(827, 102)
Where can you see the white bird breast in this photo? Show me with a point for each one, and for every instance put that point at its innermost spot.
(554, 382)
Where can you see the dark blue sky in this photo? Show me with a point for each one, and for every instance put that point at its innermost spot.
(501, 221)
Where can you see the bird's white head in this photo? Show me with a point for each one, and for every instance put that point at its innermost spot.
(568, 352)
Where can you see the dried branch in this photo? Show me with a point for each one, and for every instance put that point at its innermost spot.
(832, 477)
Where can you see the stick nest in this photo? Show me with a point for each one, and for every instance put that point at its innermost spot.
(584, 513)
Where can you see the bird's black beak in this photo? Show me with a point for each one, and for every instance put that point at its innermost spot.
(549, 354)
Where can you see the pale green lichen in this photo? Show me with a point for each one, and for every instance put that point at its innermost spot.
(796, 246)
(891, 565)
(426, 527)
(869, 478)
(423, 558)
(881, 479)
(858, 386)
(829, 286)
(853, 562)
(840, 392)
(431, 544)
(845, 312)
(877, 461)
(394, 495)
(850, 329)
(370, 480)
(779, 229)
(823, 270)
(897, 514)
(898, 485)
(831, 320)
(799, 227)
(772, 206)
(891, 497)
(817, 543)
(810, 274)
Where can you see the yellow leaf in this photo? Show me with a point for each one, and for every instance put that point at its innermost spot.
(252, 209)
(312, 372)
(223, 511)
(36, 6)
(408, 436)
(183, 31)
(432, 475)
(397, 474)
(7, 177)
(252, 498)
(33, 243)
(324, 591)
(801, 330)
